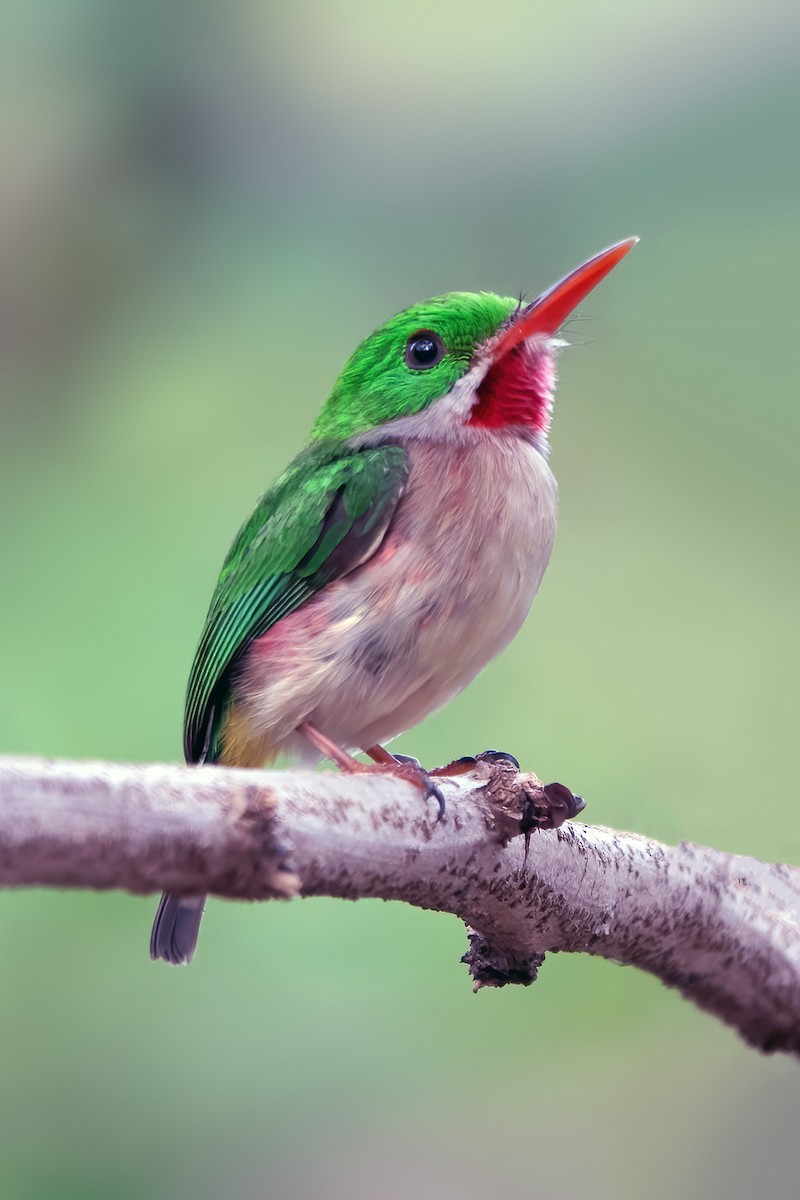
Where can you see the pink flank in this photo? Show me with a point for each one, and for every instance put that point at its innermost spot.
(285, 641)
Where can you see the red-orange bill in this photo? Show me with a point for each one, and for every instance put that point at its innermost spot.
(550, 310)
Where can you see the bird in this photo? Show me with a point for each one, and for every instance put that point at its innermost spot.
(398, 554)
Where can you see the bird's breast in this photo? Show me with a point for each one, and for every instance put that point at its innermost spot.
(450, 585)
(470, 543)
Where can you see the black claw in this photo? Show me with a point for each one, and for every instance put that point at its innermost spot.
(497, 756)
(436, 793)
(408, 759)
(429, 786)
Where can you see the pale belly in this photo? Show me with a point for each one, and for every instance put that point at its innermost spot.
(377, 651)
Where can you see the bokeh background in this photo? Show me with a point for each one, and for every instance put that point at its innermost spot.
(203, 208)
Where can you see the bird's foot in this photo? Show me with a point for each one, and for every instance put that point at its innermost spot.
(405, 767)
(545, 806)
(401, 766)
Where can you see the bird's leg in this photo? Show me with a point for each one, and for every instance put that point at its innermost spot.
(386, 764)
(380, 754)
(343, 760)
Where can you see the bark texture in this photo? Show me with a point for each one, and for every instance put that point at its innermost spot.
(723, 929)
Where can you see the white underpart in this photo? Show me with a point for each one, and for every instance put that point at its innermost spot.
(374, 653)
(444, 421)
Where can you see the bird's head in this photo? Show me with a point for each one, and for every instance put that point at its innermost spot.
(458, 361)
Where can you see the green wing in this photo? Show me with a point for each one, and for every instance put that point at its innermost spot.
(325, 516)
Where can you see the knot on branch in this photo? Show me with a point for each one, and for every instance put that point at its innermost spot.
(491, 967)
(519, 802)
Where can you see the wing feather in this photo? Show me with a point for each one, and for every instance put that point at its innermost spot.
(326, 515)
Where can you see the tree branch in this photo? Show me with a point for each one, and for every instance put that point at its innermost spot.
(723, 929)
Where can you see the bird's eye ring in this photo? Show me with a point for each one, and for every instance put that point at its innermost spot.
(424, 350)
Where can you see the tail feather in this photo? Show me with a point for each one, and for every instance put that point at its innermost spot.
(229, 740)
(176, 928)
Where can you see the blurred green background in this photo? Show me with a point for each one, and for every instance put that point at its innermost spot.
(203, 208)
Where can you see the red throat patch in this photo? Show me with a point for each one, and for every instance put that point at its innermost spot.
(517, 390)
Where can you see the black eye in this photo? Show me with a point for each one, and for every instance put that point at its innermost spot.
(425, 349)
